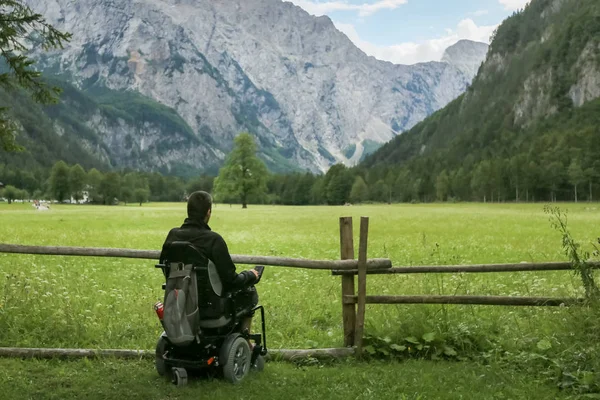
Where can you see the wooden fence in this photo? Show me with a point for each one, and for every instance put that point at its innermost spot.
(353, 301)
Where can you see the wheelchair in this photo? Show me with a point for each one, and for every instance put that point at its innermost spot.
(220, 346)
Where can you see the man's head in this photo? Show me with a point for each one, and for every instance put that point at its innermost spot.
(199, 206)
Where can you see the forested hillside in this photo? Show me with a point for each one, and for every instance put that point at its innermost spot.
(528, 127)
(99, 128)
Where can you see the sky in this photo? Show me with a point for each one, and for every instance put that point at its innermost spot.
(411, 31)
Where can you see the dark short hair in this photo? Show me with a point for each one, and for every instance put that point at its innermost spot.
(198, 205)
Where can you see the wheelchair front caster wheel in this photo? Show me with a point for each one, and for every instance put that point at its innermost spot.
(180, 377)
(259, 364)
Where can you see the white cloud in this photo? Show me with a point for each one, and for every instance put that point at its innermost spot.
(413, 52)
(318, 8)
(513, 4)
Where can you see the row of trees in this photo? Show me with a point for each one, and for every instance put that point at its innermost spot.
(245, 179)
(548, 174)
(74, 183)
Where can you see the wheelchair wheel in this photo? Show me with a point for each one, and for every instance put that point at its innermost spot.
(180, 377)
(161, 365)
(259, 364)
(237, 361)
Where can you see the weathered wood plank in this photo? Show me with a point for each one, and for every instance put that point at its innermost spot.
(45, 353)
(347, 253)
(362, 284)
(375, 263)
(468, 300)
(478, 268)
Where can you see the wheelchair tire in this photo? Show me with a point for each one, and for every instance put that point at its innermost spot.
(161, 365)
(180, 377)
(259, 364)
(237, 363)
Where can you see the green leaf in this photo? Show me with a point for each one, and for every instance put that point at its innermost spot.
(419, 347)
(412, 339)
(384, 352)
(449, 351)
(429, 337)
(544, 344)
(397, 347)
(370, 349)
(588, 378)
(387, 339)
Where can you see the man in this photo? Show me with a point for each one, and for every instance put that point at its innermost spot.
(195, 230)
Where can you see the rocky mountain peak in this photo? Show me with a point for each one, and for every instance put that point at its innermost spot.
(466, 55)
(308, 94)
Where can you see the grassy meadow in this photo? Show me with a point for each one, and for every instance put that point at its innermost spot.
(48, 301)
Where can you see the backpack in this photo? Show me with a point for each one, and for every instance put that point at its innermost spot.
(181, 317)
(193, 294)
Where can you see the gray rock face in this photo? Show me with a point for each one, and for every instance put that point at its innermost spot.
(299, 85)
(466, 55)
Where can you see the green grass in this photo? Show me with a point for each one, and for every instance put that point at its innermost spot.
(107, 303)
(413, 380)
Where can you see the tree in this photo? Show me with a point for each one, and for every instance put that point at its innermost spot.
(128, 185)
(203, 182)
(591, 175)
(110, 187)
(59, 181)
(338, 183)
(482, 179)
(359, 191)
(18, 23)
(303, 188)
(77, 178)
(553, 175)
(243, 174)
(517, 173)
(460, 184)
(379, 191)
(402, 185)
(576, 175)
(141, 195)
(10, 193)
(23, 195)
(317, 192)
(94, 179)
(531, 178)
(127, 193)
(442, 186)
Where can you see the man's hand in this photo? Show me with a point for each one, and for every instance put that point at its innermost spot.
(258, 271)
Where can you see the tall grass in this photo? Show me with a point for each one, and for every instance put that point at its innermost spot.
(101, 302)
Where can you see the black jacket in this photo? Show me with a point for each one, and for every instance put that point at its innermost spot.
(212, 245)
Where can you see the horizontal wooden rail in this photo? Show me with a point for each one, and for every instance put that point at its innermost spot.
(473, 300)
(277, 354)
(374, 263)
(522, 267)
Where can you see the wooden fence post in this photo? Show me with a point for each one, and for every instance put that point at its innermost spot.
(347, 253)
(362, 284)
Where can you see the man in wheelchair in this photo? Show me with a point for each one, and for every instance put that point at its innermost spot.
(208, 305)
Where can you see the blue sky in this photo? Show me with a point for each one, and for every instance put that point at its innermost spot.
(410, 31)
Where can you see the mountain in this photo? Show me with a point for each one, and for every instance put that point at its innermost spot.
(466, 55)
(105, 129)
(529, 123)
(293, 80)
